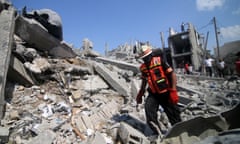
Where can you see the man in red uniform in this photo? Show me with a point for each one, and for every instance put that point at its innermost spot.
(186, 68)
(162, 91)
(237, 65)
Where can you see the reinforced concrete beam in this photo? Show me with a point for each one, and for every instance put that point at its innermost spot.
(34, 34)
(120, 64)
(7, 23)
(113, 79)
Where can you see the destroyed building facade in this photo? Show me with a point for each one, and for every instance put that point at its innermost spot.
(186, 46)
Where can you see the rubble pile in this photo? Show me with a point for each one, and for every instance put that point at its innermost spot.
(215, 93)
(53, 95)
(68, 107)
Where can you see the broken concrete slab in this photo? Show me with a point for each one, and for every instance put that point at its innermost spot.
(205, 127)
(7, 23)
(184, 138)
(113, 79)
(38, 65)
(94, 84)
(48, 18)
(46, 137)
(90, 53)
(120, 64)
(227, 137)
(200, 77)
(184, 100)
(182, 87)
(42, 40)
(18, 73)
(199, 127)
(232, 118)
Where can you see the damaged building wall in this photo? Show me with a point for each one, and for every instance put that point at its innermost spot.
(231, 47)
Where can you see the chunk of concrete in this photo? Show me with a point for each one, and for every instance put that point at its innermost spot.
(227, 137)
(18, 73)
(181, 87)
(232, 117)
(184, 100)
(94, 84)
(32, 33)
(46, 137)
(129, 135)
(199, 126)
(184, 138)
(38, 65)
(112, 79)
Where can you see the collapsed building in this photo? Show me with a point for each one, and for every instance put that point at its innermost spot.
(186, 47)
(51, 93)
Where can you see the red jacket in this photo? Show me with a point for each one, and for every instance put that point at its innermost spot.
(155, 73)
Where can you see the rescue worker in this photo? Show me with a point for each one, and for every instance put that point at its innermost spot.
(186, 67)
(237, 65)
(162, 90)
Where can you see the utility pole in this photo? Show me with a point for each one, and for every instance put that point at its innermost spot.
(163, 46)
(205, 54)
(216, 34)
(205, 46)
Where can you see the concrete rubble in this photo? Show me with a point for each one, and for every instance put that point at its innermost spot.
(51, 94)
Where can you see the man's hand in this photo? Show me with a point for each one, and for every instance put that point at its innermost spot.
(173, 96)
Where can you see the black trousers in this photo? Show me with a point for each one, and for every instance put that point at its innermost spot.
(152, 104)
(209, 71)
(220, 72)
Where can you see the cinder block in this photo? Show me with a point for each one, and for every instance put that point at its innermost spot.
(4, 135)
(129, 135)
(87, 122)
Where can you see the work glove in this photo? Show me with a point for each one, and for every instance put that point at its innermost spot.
(173, 96)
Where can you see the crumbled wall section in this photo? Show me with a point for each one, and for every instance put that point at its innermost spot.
(6, 39)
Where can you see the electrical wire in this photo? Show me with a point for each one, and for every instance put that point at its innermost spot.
(209, 23)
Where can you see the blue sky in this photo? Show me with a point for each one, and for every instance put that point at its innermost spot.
(117, 22)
